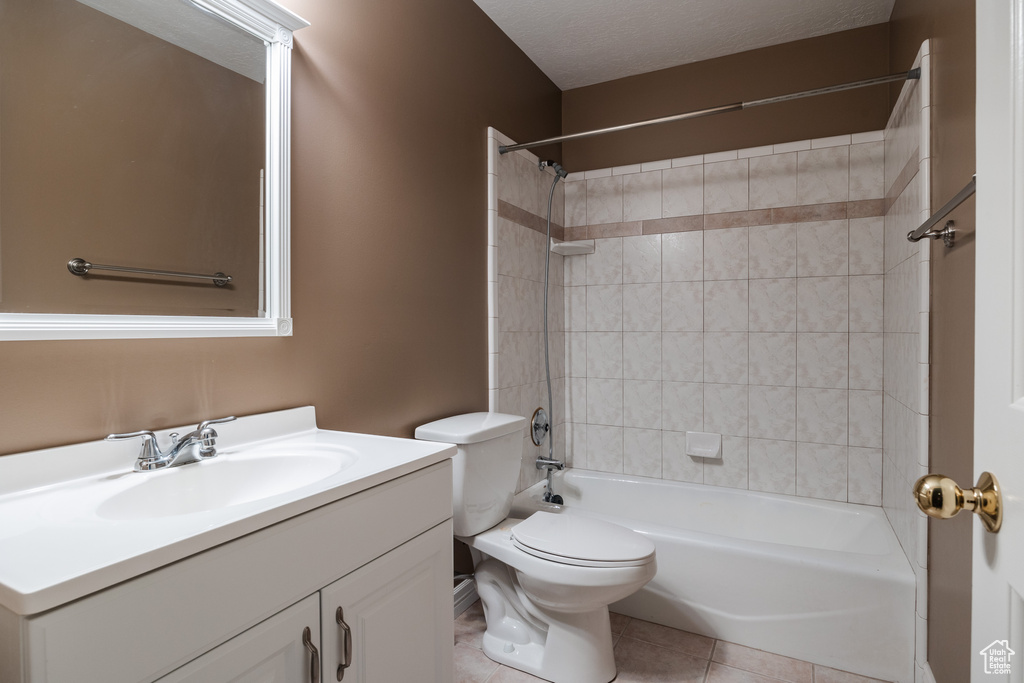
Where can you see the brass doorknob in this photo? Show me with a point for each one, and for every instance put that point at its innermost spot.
(939, 496)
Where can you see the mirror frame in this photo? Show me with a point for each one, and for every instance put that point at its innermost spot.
(274, 25)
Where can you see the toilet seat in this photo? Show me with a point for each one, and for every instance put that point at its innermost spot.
(581, 541)
(546, 581)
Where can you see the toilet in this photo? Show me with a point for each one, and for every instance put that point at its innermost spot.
(545, 581)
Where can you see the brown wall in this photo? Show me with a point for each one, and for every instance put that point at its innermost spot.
(124, 149)
(391, 103)
(950, 26)
(391, 100)
(792, 67)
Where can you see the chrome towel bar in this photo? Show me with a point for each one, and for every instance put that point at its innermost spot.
(80, 267)
(946, 234)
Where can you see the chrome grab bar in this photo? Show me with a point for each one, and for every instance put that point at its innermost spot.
(80, 267)
(946, 234)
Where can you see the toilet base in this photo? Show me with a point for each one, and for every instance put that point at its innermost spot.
(560, 647)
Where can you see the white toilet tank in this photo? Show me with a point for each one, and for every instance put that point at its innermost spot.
(485, 468)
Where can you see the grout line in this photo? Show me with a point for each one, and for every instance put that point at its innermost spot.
(622, 344)
(749, 384)
(707, 671)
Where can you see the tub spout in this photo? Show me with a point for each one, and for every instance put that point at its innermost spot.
(549, 464)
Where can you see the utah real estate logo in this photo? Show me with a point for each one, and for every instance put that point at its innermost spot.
(997, 657)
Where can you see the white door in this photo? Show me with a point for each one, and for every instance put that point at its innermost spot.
(396, 619)
(997, 620)
(273, 651)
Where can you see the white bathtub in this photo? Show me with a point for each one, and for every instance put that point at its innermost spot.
(816, 580)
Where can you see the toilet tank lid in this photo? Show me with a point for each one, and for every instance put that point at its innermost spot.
(470, 428)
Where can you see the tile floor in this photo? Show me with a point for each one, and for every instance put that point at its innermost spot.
(650, 653)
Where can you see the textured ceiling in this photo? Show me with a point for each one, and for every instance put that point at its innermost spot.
(581, 42)
(189, 27)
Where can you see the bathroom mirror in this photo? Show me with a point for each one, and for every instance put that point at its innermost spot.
(150, 135)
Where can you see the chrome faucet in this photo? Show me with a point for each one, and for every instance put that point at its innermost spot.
(550, 464)
(199, 444)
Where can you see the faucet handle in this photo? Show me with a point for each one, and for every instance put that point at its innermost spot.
(148, 437)
(150, 449)
(206, 423)
(207, 436)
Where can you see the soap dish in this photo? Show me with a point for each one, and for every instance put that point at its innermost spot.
(704, 445)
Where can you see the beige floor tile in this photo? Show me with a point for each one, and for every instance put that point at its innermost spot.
(823, 674)
(651, 653)
(674, 639)
(719, 673)
(619, 622)
(506, 674)
(470, 626)
(472, 665)
(640, 662)
(474, 612)
(764, 663)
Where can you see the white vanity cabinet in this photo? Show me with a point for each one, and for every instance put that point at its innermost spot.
(238, 610)
(273, 651)
(391, 620)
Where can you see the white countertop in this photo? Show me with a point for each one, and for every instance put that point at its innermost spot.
(56, 547)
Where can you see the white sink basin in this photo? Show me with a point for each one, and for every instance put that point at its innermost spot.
(224, 481)
(76, 519)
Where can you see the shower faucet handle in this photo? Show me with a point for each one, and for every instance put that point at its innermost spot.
(540, 425)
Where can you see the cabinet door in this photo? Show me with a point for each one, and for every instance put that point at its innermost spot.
(397, 614)
(272, 651)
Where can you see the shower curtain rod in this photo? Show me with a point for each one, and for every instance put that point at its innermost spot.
(902, 76)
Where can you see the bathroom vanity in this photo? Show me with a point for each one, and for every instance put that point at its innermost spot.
(329, 560)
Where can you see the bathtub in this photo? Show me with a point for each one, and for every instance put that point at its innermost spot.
(820, 581)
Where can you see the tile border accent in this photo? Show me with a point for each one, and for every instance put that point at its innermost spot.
(864, 208)
(737, 219)
(903, 179)
(529, 220)
(615, 230)
(679, 224)
(578, 232)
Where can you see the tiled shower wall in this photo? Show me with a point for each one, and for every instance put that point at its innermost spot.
(516, 228)
(738, 293)
(907, 291)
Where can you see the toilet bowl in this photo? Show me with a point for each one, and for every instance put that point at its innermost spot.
(547, 613)
(545, 581)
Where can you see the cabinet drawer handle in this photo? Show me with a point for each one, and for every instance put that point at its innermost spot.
(314, 656)
(346, 643)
